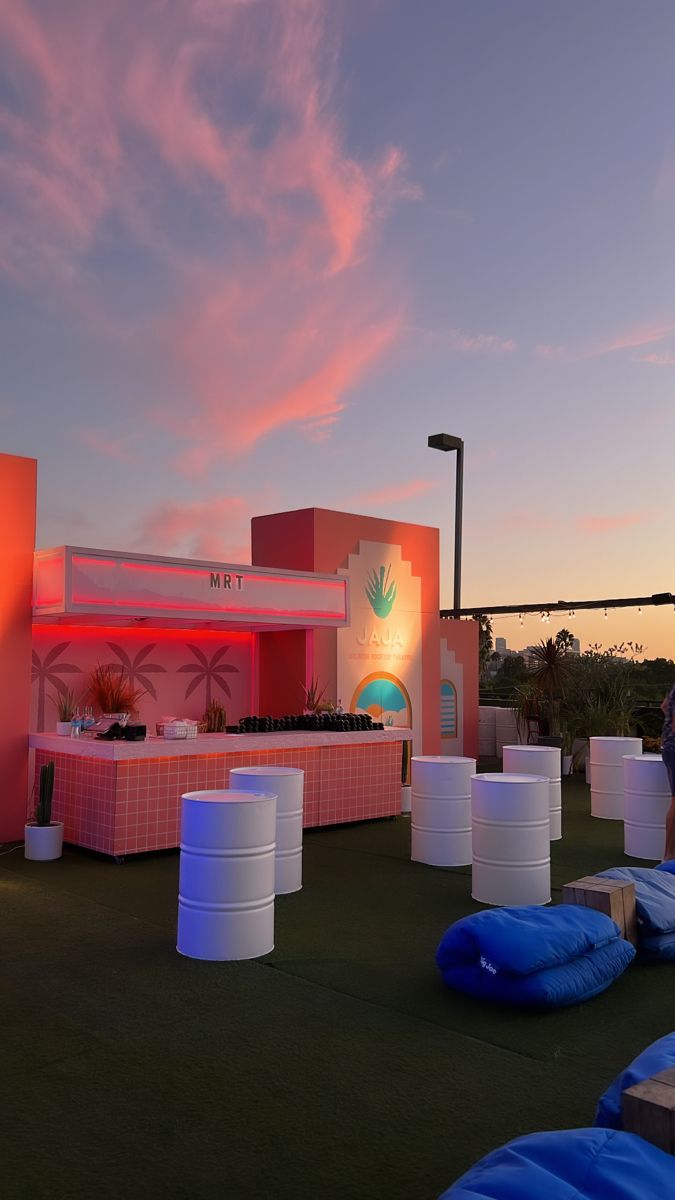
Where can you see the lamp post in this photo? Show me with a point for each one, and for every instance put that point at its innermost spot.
(445, 441)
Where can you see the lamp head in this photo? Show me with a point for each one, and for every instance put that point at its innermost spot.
(445, 441)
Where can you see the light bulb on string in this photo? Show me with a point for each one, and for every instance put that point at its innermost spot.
(605, 614)
(639, 612)
(520, 618)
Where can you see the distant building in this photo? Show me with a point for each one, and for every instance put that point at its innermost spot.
(500, 646)
(576, 646)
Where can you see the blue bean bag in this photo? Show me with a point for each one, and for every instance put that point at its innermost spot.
(657, 1057)
(668, 866)
(573, 1164)
(532, 956)
(655, 906)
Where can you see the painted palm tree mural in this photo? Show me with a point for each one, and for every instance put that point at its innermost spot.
(136, 669)
(208, 671)
(49, 672)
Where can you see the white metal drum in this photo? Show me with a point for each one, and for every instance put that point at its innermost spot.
(287, 783)
(440, 823)
(487, 731)
(607, 774)
(646, 793)
(506, 728)
(510, 831)
(540, 760)
(226, 879)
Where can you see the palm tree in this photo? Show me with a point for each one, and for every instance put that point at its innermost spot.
(136, 669)
(551, 671)
(208, 672)
(48, 672)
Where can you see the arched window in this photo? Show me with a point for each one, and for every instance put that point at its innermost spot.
(448, 709)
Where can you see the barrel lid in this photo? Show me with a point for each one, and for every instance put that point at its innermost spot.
(510, 777)
(536, 749)
(228, 796)
(267, 771)
(442, 758)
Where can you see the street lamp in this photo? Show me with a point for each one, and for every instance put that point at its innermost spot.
(445, 441)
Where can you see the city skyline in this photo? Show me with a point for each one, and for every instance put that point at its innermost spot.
(252, 256)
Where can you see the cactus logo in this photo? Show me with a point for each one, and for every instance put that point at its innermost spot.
(380, 592)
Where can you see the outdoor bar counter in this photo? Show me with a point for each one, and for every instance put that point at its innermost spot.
(121, 798)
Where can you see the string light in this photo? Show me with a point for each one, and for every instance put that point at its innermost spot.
(572, 614)
(640, 611)
(520, 618)
(605, 614)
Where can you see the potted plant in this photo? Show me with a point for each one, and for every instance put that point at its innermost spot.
(65, 710)
(313, 696)
(44, 837)
(112, 692)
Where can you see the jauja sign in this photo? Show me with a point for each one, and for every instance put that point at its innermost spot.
(74, 580)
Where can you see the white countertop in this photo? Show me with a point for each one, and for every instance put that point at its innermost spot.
(209, 743)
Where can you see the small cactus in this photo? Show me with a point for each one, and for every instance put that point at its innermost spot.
(43, 811)
(215, 718)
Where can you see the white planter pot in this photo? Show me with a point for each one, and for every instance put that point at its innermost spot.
(44, 842)
(63, 728)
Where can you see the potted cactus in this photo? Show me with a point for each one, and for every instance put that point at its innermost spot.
(44, 837)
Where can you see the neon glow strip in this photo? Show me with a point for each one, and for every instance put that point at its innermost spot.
(193, 606)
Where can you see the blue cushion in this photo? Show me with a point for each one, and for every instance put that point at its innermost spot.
(532, 956)
(657, 1057)
(573, 1164)
(655, 905)
(669, 866)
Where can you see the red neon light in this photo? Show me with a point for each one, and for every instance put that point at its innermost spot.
(158, 632)
(201, 572)
(193, 606)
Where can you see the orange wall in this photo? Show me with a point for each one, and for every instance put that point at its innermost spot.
(317, 539)
(462, 637)
(18, 480)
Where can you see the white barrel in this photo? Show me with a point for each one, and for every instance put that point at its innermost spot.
(440, 821)
(226, 877)
(406, 798)
(288, 784)
(607, 774)
(510, 834)
(540, 760)
(506, 728)
(646, 793)
(487, 731)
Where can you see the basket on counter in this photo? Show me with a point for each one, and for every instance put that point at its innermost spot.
(172, 730)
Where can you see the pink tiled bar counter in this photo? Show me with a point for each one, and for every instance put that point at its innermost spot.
(124, 798)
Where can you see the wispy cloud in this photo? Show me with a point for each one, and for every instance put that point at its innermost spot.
(479, 343)
(108, 444)
(122, 119)
(395, 493)
(210, 529)
(657, 360)
(593, 523)
(644, 334)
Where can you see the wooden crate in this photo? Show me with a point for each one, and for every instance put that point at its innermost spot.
(614, 897)
(648, 1109)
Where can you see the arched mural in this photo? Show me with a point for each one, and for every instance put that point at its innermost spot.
(385, 697)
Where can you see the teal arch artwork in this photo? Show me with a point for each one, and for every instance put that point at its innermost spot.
(385, 697)
(448, 709)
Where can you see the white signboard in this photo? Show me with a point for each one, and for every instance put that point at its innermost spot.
(380, 654)
(97, 581)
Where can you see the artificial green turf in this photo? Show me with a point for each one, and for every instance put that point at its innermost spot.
(337, 1066)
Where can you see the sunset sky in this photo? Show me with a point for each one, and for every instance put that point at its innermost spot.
(253, 252)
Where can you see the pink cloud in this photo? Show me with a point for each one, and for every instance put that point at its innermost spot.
(644, 334)
(133, 120)
(520, 520)
(400, 491)
(210, 529)
(107, 444)
(658, 360)
(592, 523)
(480, 343)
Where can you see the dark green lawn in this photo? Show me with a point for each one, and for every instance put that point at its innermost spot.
(337, 1067)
